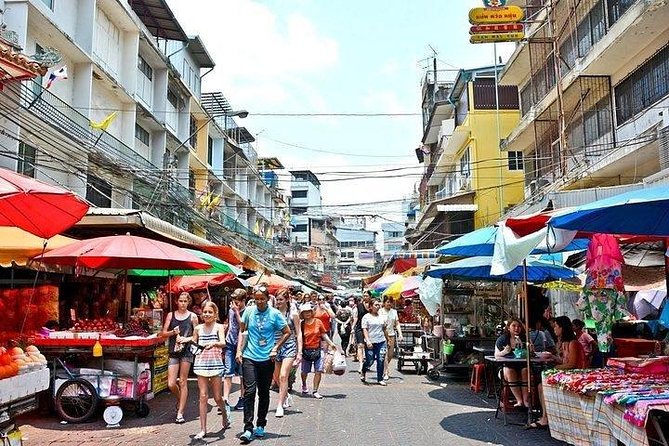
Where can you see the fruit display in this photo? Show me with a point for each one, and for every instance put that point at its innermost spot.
(96, 325)
(134, 327)
(28, 306)
(15, 361)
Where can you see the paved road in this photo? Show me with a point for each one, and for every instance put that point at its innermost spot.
(410, 411)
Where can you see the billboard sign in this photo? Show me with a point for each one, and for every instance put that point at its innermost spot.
(491, 16)
(496, 37)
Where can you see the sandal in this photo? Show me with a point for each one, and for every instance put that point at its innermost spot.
(200, 435)
(180, 419)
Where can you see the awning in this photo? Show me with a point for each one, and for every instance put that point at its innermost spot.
(415, 254)
(237, 257)
(18, 246)
(457, 207)
(159, 19)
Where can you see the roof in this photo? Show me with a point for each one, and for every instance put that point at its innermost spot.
(200, 53)
(272, 163)
(465, 76)
(16, 65)
(215, 103)
(354, 235)
(311, 177)
(159, 19)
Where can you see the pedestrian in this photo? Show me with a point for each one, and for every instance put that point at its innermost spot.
(314, 335)
(178, 327)
(323, 311)
(588, 343)
(394, 332)
(257, 348)
(208, 365)
(376, 340)
(232, 368)
(290, 353)
(344, 319)
(361, 310)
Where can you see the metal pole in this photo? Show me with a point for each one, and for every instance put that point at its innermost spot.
(499, 137)
(527, 340)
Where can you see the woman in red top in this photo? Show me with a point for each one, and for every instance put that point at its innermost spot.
(572, 356)
(323, 312)
(313, 357)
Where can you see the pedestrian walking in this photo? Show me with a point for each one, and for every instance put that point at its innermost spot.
(344, 319)
(257, 348)
(376, 340)
(178, 328)
(208, 365)
(313, 357)
(324, 312)
(361, 309)
(394, 332)
(231, 367)
(290, 353)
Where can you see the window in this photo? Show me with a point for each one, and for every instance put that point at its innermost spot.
(48, 3)
(27, 158)
(107, 44)
(173, 99)
(98, 191)
(299, 210)
(515, 160)
(210, 151)
(299, 194)
(300, 228)
(193, 132)
(465, 169)
(144, 68)
(617, 8)
(142, 135)
(645, 86)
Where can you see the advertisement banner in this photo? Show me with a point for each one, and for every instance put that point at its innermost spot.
(488, 16)
(496, 37)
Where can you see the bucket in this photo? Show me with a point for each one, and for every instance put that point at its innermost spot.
(448, 348)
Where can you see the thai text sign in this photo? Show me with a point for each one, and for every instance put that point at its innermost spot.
(487, 16)
(496, 37)
(500, 28)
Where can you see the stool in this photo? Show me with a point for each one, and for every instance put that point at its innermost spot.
(505, 399)
(478, 374)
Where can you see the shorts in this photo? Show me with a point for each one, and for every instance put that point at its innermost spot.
(317, 366)
(359, 336)
(230, 365)
(287, 350)
(174, 360)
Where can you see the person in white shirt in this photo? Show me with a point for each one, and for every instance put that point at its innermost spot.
(376, 337)
(394, 332)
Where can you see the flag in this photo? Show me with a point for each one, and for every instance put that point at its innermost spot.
(104, 124)
(60, 73)
(205, 200)
(256, 229)
(214, 202)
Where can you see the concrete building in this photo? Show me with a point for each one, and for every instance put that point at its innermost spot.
(305, 202)
(357, 254)
(600, 116)
(467, 182)
(393, 238)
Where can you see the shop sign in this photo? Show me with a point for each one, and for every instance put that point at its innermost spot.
(487, 16)
(502, 28)
(494, 3)
(496, 37)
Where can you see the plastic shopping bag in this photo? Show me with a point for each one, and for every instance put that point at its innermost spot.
(329, 360)
(339, 363)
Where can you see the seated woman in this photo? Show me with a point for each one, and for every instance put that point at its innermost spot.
(513, 374)
(571, 356)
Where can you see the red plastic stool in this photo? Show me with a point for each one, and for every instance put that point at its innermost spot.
(475, 383)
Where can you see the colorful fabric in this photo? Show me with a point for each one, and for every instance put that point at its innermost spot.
(210, 361)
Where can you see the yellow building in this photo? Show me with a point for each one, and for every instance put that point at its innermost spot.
(468, 182)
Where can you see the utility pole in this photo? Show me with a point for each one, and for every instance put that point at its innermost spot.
(552, 25)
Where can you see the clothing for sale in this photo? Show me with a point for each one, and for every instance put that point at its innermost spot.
(374, 326)
(261, 327)
(210, 361)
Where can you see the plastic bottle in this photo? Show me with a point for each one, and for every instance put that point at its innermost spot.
(97, 349)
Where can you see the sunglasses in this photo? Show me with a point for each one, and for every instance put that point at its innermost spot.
(260, 288)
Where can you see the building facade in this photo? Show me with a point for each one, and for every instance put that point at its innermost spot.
(305, 202)
(393, 238)
(358, 256)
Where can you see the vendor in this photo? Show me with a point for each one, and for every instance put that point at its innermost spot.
(514, 374)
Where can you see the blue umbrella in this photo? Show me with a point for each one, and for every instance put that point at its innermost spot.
(482, 243)
(640, 212)
(479, 268)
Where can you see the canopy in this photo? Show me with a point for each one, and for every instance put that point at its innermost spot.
(384, 282)
(479, 268)
(36, 207)
(123, 252)
(640, 212)
(218, 266)
(274, 282)
(404, 287)
(235, 256)
(192, 283)
(19, 246)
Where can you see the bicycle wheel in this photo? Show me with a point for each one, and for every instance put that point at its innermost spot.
(76, 400)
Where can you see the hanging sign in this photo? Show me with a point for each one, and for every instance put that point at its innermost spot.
(496, 37)
(487, 16)
(494, 3)
(501, 28)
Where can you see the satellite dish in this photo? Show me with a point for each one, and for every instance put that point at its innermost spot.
(113, 416)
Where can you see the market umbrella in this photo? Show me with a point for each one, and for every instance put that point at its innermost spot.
(384, 282)
(192, 283)
(404, 287)
(36, 207)
(479, 268)
(640, 212)
(218, 266)
(123, 252)
(274, 282)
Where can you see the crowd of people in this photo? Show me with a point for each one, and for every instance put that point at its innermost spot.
(265, 340)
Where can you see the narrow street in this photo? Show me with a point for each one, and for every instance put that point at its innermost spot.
(410, 411)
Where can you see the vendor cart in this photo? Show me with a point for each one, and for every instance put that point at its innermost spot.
(18, 395)
(413, 348)
(80, 382)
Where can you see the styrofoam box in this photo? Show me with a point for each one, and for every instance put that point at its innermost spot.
(61, 335)
(20, 386)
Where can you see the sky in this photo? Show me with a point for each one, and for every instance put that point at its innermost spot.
(314, 57)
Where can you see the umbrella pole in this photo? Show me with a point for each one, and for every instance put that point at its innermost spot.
(169, 289)
(526, 302)
(32, 295)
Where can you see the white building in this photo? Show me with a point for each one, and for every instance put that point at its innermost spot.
(393, 238)
(306, 201)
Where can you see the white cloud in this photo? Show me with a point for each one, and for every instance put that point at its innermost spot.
(385, 101)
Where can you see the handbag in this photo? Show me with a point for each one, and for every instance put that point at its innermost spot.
(311, 354)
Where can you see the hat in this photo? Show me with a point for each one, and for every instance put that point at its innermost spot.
(306, 307)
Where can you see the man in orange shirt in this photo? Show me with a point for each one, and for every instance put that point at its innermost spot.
(313, 357)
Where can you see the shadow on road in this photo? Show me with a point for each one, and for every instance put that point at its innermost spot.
(456, 393)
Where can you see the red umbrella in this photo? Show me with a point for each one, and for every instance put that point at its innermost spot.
(123, 252)
(192, 283)
(274, 282)
(36, 207)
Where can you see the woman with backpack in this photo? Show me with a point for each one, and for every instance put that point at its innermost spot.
(178, 328)
(313, 356)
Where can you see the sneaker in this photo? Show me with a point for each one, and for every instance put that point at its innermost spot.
(383, 383)
(259, 432)
(362, 377)
(289, 402)
(386, 377)
(200, 435)
(246, 437)
(240, 404)
(279, 411)
(305, 391)
(317, 395)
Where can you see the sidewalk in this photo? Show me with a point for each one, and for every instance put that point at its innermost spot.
(410, 411)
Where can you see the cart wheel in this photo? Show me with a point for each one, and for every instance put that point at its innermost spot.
(76, 400)
(142, 409)
(433, 374)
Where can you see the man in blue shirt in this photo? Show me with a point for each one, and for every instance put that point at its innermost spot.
(256, 351)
